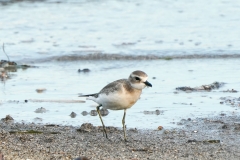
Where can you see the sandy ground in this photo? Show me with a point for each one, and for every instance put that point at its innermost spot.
(205, 138)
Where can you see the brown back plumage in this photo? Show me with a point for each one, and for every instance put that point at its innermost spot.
(117, 86)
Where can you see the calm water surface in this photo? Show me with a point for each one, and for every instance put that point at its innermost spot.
(57, 36)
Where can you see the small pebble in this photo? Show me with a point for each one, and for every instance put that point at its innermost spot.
(40, 90)
(73, 115)
(158, 112)
(225, 126)
(160, 127)
(84, 113)
(93, 113)
(104, 112)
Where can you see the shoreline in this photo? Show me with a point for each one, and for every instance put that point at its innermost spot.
(201, 138)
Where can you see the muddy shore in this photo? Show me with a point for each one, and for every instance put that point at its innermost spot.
(203, 138)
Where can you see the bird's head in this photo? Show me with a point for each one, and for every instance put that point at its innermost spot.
(138, 80)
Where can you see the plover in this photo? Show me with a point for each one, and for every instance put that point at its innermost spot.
(121, 94)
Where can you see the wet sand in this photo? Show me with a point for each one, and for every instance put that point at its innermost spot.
(203, 138)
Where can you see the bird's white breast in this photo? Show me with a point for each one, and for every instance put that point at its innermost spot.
(118, 100)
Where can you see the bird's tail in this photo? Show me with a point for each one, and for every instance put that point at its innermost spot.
(88, 95)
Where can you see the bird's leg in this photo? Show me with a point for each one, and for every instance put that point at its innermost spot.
(124, 126)
(104, 129)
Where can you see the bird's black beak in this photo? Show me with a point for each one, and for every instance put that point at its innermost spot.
(148, 84)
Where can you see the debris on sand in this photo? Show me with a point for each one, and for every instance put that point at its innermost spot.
(232, 101)
(204, 141)
(7, 118)
(230, 91)
(40, 110)
(85, 70)
(10, 65)
(157, 112)
(7, 64)
(209, 87)
(41, 90)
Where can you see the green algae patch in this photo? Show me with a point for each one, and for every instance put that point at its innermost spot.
(26, 132)
(32, 132)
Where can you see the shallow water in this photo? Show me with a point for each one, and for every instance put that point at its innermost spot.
(63, 82)
(112, 39)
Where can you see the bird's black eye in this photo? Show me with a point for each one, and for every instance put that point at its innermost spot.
(138, 79)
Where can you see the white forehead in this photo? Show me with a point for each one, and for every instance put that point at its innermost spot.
(143, 77)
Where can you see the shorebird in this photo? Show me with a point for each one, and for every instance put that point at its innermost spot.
(121, 94)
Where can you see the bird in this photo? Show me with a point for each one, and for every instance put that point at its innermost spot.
(121, 94)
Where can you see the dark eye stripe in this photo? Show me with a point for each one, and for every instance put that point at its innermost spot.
(137, 78)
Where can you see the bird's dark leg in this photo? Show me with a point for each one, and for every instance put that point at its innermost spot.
(104, 129)
(123, 123)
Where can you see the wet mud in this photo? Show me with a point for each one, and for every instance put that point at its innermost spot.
(201, 138)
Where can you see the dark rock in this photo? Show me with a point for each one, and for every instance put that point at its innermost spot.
(104, 112)
(237, 126)
(86, 127)
(179, 123)
(73, 115)
(158, 112)
(7, 118)
(85, 70)
(192, 140)
(84, 113)
(222, 114)
(211, 141)
(93, 113)
(225, 126)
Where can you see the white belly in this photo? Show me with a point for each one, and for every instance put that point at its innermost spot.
(115, 101)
